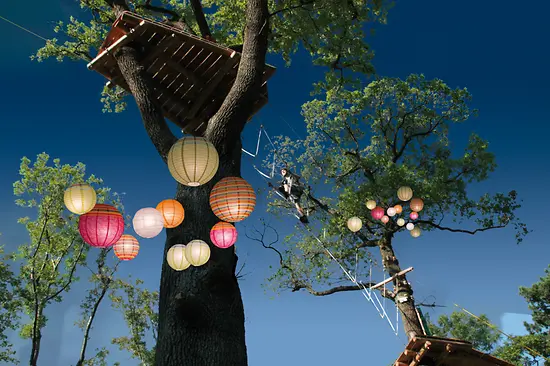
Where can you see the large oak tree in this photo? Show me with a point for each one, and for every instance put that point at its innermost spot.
(201, 315)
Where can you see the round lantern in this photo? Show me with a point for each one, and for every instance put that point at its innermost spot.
(223, 235)
(391, 212)
(148, 222)
(413, 215)
(126, 248)
(102, 226)
(355, 224)
(400, 222)
(416, 204)
(415, 232)
(193, 161)
(172, 213)
(80, 198)
(385, 219)
(410, 226)
(398, 209)
(232, 199)
(377, 213)
(176, 258)
(197, 252)
(371, 204)
(404, 193)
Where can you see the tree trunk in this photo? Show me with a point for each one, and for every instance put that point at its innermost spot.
(82, 357)
(411, 321)
(36, 338)
(201, 315)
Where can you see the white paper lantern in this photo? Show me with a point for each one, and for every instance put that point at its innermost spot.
(197, 252)
(410, 226)
(148, 222)
(355, 224)
(400, 222)
(193, 161)
(415, 233)
(371, 204)
(391, 211)
(176, 258)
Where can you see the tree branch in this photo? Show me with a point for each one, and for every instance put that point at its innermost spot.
(225, 127)
(159, 9)
(293, 7)
(71, 276)
(200, 18)
(118, 6)
(471, 232)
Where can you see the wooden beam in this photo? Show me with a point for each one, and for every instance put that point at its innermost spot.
(421, 353)
(380, 284)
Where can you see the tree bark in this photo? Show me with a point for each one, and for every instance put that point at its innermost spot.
(411, 322)
(36, 338)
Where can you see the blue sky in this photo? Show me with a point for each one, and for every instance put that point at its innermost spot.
(493, 49)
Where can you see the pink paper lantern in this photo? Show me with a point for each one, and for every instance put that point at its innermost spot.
(414, 215)
(377, 213)
(223, 235)
(385, 219)
(102, 226)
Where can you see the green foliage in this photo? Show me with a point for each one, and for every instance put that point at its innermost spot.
(462, 326)
(364, 143)
(9, 317)
(139, 307)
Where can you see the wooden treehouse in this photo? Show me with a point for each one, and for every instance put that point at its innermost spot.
(434, 351)
(191, 75)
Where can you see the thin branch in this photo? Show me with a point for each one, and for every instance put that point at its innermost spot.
(471, 232)
(71, 276)
(159, 9)
(293, 7)
(200, 18)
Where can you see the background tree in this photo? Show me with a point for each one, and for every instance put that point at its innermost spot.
(364, 143)
(201, 316)
(9, 305)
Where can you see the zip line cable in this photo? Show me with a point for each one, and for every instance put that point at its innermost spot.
(23, 28)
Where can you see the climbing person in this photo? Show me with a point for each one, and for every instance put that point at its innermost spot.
(292, 189)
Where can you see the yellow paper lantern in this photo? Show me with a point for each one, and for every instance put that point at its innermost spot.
(193, 161)
(405, 193)
(176, 258)
(371, 204)
(197, 252)
(355, 224)
(80, 198)
(398, 209)
(172, 212)
(400, 222)
(385, 219)
(416, 204)
(415, 233)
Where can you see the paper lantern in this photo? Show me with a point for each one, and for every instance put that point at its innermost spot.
(398, 209)
(223, 235)
(148, 222)
(197, 252)
(172, 213)
(400, 222)
(415, 232)
(410, 226)
(371, 204)
(193, 161)
(355, 224)
(80, 198)
(416, 204)
(385, 219)
(126, 248)
(176, 258)
(391, 212)
(404, 193)
(377, 213)
(232, 199)
(413, 215)
(102, 226)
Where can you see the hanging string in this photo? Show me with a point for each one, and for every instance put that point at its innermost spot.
(23, 28)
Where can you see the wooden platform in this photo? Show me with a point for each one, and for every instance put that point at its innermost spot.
(435, 351)
(191, 75)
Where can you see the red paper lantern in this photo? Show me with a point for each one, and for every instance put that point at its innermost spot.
(126, 248)
(102, 226)
(377, 213)
(232, 199)
(414, 215)
(223, 235)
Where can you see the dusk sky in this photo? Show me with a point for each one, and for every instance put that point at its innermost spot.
(495, 49)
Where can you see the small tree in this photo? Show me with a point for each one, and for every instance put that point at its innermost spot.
(9, 306)
(364, 143)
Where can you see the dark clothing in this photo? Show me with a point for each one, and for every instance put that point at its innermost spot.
(296, 189)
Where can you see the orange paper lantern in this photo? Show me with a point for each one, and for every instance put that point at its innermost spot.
(126, 248)
(398, 208)
(172, 212)
(232, 199)
(417, 204)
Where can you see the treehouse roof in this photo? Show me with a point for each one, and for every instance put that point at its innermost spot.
(191, 75)
(445, 352)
